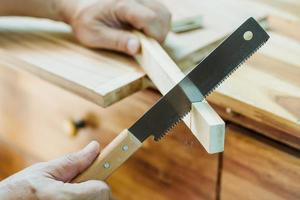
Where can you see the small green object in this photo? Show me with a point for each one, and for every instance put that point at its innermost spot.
(187, 24)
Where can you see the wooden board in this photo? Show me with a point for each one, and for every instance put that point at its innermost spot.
(32, 115)
(203, 121)
(220, 17)
(258, 168)
(292, 6)
(100, 76)
(267, 89)
(288, 27)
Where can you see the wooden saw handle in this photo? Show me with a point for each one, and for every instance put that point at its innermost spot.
(112, 156)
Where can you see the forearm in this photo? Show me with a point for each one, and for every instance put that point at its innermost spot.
(51, 9)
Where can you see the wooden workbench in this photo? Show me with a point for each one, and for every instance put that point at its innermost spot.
(260, 103)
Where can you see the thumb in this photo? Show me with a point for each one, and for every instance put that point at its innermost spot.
(116, 39)
(69, 166)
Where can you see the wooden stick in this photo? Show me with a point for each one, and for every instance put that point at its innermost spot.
(203, 121)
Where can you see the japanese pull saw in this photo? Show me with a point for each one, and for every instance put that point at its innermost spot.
(172, 107)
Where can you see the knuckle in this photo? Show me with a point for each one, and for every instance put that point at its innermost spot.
(121, 44)
(100, 189)
(152, 18)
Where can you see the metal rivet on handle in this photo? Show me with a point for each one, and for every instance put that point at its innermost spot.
(106, 165)
(125, 148)
(248, 35)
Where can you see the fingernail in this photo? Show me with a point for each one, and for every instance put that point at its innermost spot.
(133, 46)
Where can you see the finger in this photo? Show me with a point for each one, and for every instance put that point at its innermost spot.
(69, 166)
(141, 17)
(93, 190)
(116, 39)
(159, 8)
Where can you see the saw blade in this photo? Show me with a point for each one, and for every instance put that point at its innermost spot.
(201, 81)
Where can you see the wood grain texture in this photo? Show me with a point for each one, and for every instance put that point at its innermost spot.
(288, 27)
(266, 90)
(281, 7)
(271, 132)
(258, 168)
(100, 76)
(32, 114)
(220, 18)
(203, 121)
(182, 170)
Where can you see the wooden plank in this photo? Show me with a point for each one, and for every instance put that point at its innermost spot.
(220, 18)
(273, 97)
(258, 168)
(100, 76)
(291, 6)
(268, 130)
(32, 115)
(205, 124)
(288, 27)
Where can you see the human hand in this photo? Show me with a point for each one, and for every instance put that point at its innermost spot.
(106, 23)
(50, 180)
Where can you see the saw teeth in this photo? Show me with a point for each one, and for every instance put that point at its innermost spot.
(171, 127)
(229, 74)
(232, 71)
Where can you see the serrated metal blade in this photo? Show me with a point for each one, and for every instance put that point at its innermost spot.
(203, 79)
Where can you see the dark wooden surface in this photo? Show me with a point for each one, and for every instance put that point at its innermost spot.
(13, 159)
(255, 167)
(176, 168)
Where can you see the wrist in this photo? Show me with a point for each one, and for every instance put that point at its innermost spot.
(11, 190)
(71, 9)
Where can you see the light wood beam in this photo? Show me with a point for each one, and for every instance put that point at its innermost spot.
(203, 121)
